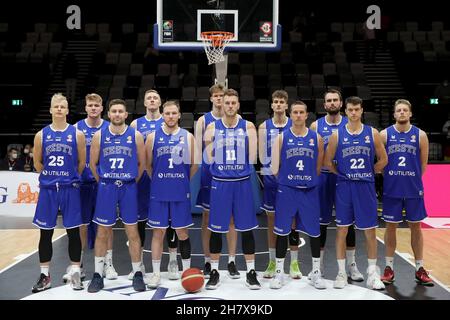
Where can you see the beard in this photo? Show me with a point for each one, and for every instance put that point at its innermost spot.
(333, 112)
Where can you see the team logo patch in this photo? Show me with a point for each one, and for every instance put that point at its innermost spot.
(129, 139)
(181, 139)
(69, 138)
(413, 138)
(367, 139)
(311, 142)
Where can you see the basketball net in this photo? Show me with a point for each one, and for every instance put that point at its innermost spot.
(214, 43)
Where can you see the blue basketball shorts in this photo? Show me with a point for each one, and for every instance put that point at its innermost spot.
(232, 198)
(112, 195)
(393, 207)
(88, 194)
(327, 192)
(356, 203)
(143, 187)
(299, 204)
(204, 194)
(65, 198)
(176, 214)
(269, 193)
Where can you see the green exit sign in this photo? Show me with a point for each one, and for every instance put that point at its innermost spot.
(17, 102)
(434, 101)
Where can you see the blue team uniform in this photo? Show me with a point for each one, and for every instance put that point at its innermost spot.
(145, 126)
(231, 189)
(118, 170)
(327, 180)
(297, 194)
(402, 186)
(270, 182)
(356, 200)
(170, 188)
(59, 180)
(205, 174)
(88, 188)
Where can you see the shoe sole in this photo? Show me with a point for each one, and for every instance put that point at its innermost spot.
(296, 277)
(268, 276)
(238, 276)
(40, 290)
(253, 286)
(355, 280)
(388, 281)
(214, 287)
(426, 284)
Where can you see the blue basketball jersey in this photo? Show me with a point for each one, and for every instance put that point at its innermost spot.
(230, 151)
(208, 119)
(298, 160)
(59, 156)
(171, 166)
(403, 173)
(145, 126)
(326, 129)
(118, 155)
(272, 131)
(89, 132)
(355, 155)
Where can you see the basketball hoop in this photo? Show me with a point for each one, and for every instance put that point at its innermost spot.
(214, 44)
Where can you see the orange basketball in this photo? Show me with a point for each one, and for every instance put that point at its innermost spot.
(192, 280)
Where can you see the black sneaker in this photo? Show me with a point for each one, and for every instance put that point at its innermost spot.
(252, 281)
(96, 283)
(42, 284)
(233, 271)
(207, 270)
(138, 282)
(214, 280)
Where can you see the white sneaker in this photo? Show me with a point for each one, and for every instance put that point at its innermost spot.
(109, 272)
(277, 281)
(154, 281)
(341, 281)
(173, 271)
(354, 273)
(373, 279)
(311, 272)
(75, 281)
(317, 280)
(68, 275)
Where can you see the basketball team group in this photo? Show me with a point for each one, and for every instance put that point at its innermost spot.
(96, 172)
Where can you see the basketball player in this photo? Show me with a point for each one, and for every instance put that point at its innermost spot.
(170, 162)
(325, 126)
(297, 159)
(231, 145)
(354, 147)
(59, 157)
(216, 97)
(88, 187)
(145, 125)
(407, 149)
(267, 133)
(117, 162)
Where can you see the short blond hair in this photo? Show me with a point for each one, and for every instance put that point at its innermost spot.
(216, 88)
(152, 91)
(403, 101)
(93, 97)
(58, 97)
(172, 103)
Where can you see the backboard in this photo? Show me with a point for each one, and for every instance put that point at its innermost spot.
(254, 24)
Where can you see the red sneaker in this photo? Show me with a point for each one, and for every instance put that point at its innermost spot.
(423, 278)
(388, 276)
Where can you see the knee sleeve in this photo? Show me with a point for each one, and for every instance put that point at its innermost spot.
(293, 238)
(215, 242)
(172, 238)
(45, 246)
(248, 242)
(74, 244)
(351, 237)
(281, 246)
(315, 247)
(141, 230)
(323, 235)
(185, 249)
